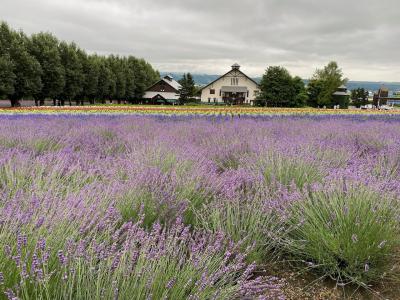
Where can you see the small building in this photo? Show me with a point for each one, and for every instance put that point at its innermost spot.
(381, 97)
(234, 87)
(341, 97)
(164, 91)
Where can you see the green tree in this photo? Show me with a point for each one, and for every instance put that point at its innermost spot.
(26, 69)
(279, 88)
(190, 85)
(130, 79)
(7, 76)
(188, 88)
(106, 83)
(117, 66)
(300, 92)
(324, 83)
(42, 67)
(73, 71)
(145, 76)
(183, 91)
(44, 47)
(359, 97)
(91, 71)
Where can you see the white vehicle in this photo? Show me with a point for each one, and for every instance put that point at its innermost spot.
(368, 106)
(386, 107)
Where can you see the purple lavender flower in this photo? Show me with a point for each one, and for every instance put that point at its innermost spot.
(61, 258)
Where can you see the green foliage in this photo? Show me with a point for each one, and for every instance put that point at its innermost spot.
(91, 70)
(74, 76)
(42, 67)
(45, 48)
(7, 76)
(20, 71)
(188, 89)
(286, 171)
(349, 235)
(323, 84)
(246, 220)
(359, 97)
(279, 88)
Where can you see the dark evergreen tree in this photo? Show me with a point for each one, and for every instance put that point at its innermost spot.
(188, 88)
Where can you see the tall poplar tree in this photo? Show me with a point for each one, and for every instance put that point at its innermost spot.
(44, 47)
(73, 71)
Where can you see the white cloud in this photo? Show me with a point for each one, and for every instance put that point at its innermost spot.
(208, 36)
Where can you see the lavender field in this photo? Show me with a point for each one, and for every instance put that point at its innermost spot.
(136, 207)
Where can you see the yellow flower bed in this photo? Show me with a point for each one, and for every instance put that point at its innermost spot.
(182, 110)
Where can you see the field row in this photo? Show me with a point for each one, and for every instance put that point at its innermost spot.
(143, 207)
(180, 110)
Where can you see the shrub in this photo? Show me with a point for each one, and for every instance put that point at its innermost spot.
(277, 168)
(350, 235)
(137, 264)
(249, 219)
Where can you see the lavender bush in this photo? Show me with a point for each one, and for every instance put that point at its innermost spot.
(180, 207)
(350, 234)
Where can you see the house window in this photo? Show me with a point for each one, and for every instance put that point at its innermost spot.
(247, 94)
(235, 81)
(220, 92)
(209, 100)
(212, 92)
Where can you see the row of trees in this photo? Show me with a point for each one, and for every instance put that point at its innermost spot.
(279, 88)
(41, 67)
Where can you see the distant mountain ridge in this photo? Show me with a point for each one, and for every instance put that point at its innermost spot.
(204, 79)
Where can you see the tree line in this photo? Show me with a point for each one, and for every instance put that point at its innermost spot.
(279, 88)
(42, 67)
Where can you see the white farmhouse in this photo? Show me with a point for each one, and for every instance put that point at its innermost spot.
(234, 87)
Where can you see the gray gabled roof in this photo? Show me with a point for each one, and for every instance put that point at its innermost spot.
(172, 82)
(237, 70)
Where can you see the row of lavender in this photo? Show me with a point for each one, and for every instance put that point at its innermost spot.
(129, 207)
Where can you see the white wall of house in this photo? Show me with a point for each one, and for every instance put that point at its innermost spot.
(233, 78)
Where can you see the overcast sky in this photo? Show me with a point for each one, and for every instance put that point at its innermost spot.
(207, 36)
